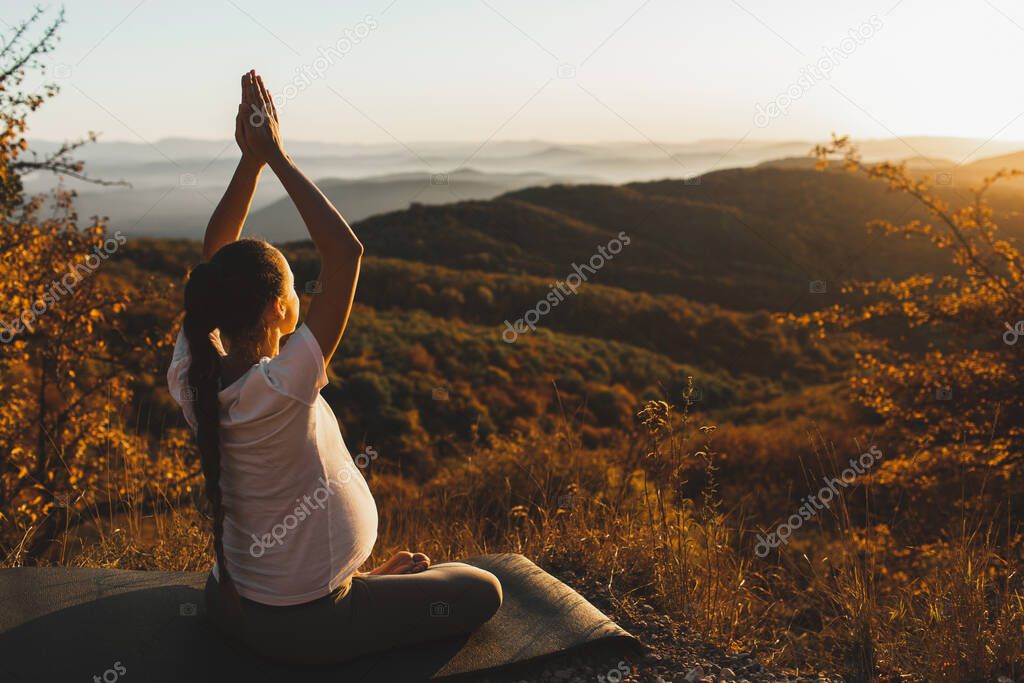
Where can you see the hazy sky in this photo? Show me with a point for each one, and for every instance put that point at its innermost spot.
(569, 70)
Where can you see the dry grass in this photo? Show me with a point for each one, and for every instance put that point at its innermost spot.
(647, 521)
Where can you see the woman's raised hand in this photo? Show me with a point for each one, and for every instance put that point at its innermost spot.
(256, 126)
(248, 155)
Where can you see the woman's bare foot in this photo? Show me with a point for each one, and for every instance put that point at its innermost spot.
(419, 563)
(403, 562)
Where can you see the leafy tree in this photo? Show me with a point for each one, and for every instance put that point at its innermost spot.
(66, 363)
(946, 374)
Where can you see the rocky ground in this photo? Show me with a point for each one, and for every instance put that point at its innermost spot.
(671, 655)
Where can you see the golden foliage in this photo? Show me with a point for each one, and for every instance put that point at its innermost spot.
(68, 363)
(939, 359)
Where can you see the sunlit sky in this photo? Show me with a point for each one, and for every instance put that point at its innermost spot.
(565, 70)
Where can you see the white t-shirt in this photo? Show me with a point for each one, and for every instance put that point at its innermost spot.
(299, 518)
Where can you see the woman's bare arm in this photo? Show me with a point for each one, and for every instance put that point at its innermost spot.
(340, 250)
(228, 218)
(340, 255)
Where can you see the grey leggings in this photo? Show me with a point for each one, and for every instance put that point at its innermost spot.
(369, 614)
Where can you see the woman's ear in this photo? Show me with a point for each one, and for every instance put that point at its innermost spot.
(276, 311)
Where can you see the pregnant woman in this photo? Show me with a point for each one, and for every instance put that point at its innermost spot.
(293, 518)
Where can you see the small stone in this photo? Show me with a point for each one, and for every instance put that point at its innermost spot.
(728, 674)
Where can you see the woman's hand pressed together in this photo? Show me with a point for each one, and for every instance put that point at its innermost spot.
(259, 134)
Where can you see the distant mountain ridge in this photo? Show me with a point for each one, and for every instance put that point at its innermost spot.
(742, 238)
(360, 198)
(175, 183)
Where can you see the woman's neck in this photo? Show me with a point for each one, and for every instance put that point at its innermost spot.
(242, 356)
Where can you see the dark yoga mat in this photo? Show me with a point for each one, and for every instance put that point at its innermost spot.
(63, 624)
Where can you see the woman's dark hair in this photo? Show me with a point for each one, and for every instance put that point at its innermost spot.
(228, 293)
